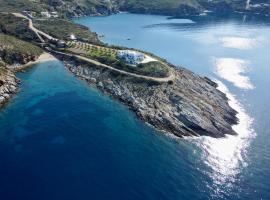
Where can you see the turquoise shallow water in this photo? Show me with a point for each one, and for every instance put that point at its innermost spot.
(60, 139)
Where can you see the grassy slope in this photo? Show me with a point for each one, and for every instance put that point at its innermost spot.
(9, 24)
(13, 49)
(64, 7)
(20, 5)
(61, 29)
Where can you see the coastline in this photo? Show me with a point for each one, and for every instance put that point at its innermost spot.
(166, 106)
(44, 57)
(9, 83)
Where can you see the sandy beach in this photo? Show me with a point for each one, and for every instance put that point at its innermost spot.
(44, 57)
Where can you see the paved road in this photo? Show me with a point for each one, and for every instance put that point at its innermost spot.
(150, 78)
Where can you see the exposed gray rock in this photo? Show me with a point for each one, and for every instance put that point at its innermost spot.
(8, 86)
(191, 106)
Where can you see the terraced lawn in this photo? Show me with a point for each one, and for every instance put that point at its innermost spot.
(109, 56)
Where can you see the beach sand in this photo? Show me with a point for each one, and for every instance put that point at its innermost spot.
(44, 57)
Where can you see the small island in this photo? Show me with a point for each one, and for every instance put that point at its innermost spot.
(170, 98)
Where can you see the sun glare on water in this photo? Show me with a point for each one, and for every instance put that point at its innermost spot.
(239, 42)
(226, 157)
(232, 70)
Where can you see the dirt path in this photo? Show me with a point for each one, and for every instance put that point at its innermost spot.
(150, 78)
(31, 26)
(171, 77)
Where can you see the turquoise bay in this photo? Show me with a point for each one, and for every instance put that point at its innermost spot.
(61, 139)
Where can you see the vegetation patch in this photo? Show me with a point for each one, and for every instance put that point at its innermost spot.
(21, 5)
(62, 29)
(13, 50)
(165, 7)
(109, 57)
(16, 26)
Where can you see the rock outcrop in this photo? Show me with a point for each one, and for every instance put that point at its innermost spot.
(189, 106)
(8, 85)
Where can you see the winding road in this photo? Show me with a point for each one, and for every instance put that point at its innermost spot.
(171, 77)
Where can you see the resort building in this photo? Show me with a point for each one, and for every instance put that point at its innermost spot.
(131, 57)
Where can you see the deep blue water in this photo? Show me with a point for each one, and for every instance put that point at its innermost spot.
(61, 139)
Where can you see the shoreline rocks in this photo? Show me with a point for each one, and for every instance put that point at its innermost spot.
(9, 86)
(189, 106)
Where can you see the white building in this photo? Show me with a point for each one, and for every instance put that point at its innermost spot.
(131, 57)
(45, 14)
(72, 37)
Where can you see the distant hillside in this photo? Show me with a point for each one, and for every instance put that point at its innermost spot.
(73, 8)
(191, 7)
(164, 7)
(81, 7)
(69, 8)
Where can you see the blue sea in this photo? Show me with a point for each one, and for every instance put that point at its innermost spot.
(61, 139)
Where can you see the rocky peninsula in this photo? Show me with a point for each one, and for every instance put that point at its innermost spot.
(170, 98)
(189, 106)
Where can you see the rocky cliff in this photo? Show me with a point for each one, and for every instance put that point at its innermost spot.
(8, 85)
(189, 106)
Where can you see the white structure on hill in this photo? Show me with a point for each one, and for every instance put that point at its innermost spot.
(72, 37)
(45, 14)
(131, 57)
